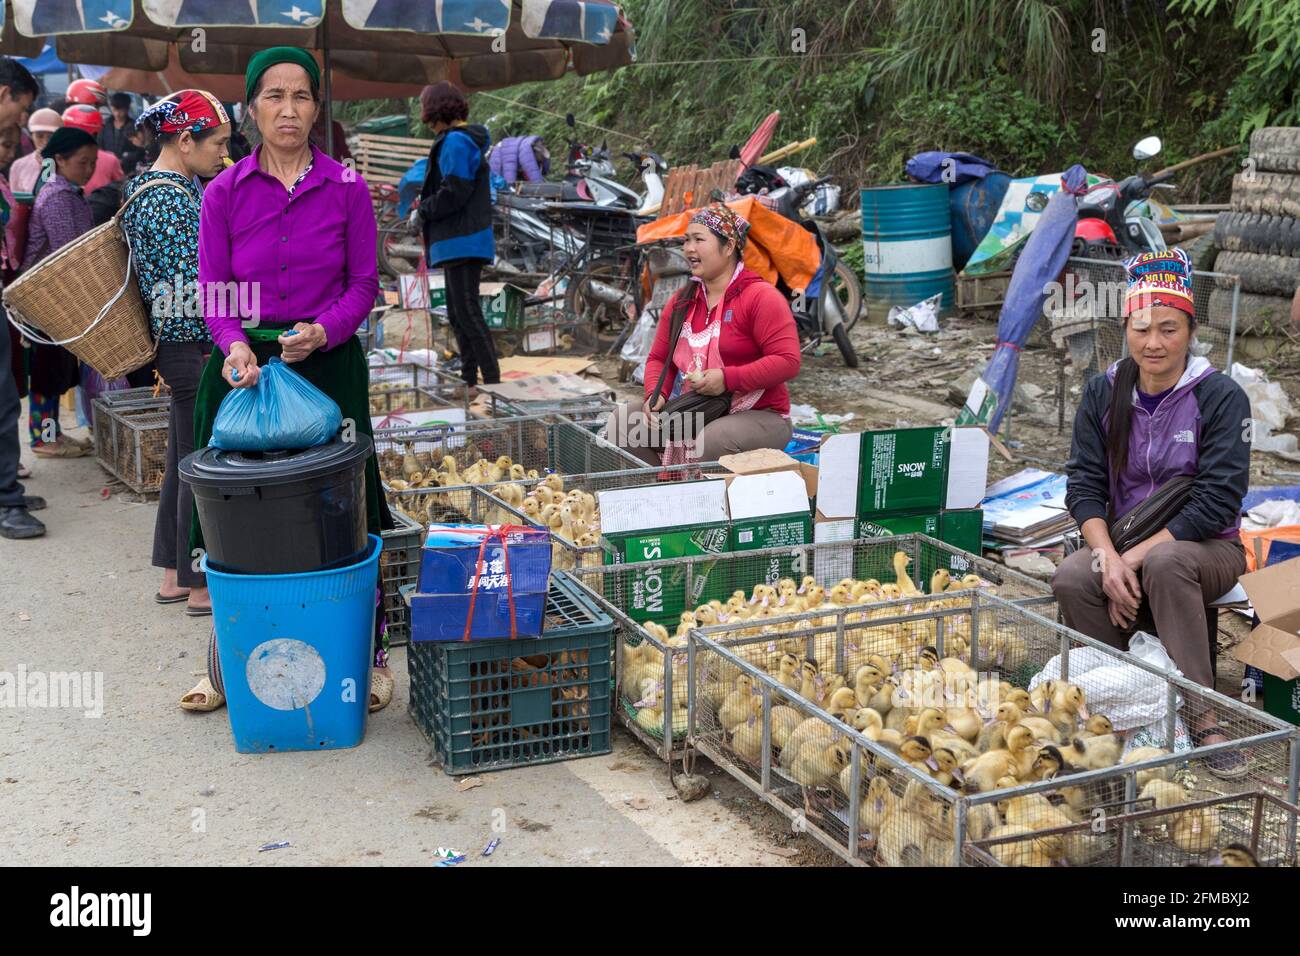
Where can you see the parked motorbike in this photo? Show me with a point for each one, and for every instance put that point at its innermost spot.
(830, 306)
(1110, 226)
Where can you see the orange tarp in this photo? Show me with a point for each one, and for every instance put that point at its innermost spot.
(776, 247)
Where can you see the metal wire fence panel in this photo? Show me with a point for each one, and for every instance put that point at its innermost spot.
(740, 581)
(1085, 317)
(390, 398)
(579, 409)
(942, 719)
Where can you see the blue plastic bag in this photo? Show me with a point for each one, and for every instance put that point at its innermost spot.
(282, 411)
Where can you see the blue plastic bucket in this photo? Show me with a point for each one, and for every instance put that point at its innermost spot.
(907, 245)
(296, 652)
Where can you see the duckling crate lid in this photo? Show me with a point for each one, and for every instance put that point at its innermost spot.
(492, 705)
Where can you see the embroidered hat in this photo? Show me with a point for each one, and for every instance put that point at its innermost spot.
(1159, 278)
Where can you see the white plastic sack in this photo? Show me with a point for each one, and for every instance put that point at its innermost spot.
(1269, 410)
(1273, 513)
(1131, 697)
(637, 346)
(924, 316)
(824, 200)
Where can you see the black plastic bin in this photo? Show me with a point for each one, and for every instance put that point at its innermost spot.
(282, 512)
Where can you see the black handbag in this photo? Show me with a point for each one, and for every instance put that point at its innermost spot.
(1147, 517)
(684, 417)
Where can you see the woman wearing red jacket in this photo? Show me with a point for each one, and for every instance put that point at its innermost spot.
(738, 337)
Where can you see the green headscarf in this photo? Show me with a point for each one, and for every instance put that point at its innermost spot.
(262, 61)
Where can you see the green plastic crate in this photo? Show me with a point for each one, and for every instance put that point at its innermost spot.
(481, 713)
(399, 564)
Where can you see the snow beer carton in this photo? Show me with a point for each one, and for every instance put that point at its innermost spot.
(771, 511)
(656, 523)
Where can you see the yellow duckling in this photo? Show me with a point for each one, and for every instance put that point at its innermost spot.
(906, 585)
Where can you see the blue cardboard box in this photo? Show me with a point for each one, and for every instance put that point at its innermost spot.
(441, 605)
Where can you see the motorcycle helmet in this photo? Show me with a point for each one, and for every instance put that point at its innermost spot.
(84, 117)
(88, 92)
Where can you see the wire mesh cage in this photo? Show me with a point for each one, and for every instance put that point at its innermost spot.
(430, 473)
(399, 565)
(131, 437)
(576, 538)
(944, 720)
(1086, 322)
(447, 389)
(591, 409)
(390, 399)
(655, 603)
(1172, 826)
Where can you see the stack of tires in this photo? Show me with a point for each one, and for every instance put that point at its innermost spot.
(1259, 239)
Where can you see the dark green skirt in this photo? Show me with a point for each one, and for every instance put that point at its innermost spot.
(340, 373)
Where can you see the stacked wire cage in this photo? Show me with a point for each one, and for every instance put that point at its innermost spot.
(643, 637)
(581, 547)
(431, 473)
(946, 729)
(130, 429)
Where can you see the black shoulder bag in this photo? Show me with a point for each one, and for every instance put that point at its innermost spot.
(1147, 517)
(683, 417)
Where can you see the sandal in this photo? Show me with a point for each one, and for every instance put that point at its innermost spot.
(85, 444)
(160, 598)
(1226, 764)
(208, 698)
(198, 611)
(381, 688)
(58, 449)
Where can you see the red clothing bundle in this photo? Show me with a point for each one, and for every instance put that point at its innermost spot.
(759, 343)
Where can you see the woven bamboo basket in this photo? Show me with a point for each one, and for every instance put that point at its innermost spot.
(81, 297)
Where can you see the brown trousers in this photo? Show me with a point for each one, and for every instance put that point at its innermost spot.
(728, 435)
(1179, 578)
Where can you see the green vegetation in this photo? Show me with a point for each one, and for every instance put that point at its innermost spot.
(1033, 85)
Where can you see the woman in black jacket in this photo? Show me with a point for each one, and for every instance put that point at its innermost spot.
(456, 212)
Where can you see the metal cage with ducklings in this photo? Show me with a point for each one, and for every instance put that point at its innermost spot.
(928, 731)
(575, 530)
(590, 408)
(430, 472)
(656, 603)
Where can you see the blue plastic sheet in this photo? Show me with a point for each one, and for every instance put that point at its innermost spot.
(930, 167)
(282, 411)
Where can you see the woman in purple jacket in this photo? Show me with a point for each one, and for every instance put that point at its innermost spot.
(1156, 415)
(287, 268)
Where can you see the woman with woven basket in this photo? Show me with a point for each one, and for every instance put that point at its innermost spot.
(59, 215)
(293, 233)
(161, 223)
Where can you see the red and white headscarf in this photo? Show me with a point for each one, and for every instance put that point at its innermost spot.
(193, 110)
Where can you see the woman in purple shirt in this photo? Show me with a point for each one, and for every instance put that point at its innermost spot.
(287, 268)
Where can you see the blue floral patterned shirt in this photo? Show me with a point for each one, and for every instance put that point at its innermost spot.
(163, 227)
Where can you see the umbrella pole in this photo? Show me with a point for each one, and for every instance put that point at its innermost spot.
(329, 88)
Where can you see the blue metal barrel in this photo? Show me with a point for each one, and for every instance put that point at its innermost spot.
(907, 245)
(973, 206)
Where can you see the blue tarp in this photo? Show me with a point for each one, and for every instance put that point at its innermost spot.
(47, 62)
(930, 167)
(409, 186)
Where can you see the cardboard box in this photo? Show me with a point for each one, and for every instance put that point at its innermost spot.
(770, 511)
(503, 305)
(658, 522)
(1274, 646)
(767, 461)
(962, 529)
(902, 471)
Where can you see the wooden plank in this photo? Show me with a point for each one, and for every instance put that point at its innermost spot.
(398, 140)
